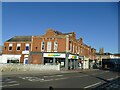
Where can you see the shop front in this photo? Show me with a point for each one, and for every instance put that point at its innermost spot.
(73, 61)
(54, 59)
(11, 58)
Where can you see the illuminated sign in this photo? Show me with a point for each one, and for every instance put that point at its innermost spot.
(57, 55)
(54, 55)
(73, 57)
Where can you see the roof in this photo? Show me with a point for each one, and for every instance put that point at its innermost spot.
(20, 39)
(58, 32)
(104, 53)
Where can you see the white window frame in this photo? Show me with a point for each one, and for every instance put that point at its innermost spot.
(55, 46)
(76, 49)
(81, 50)
(71, 47)
(27, 45)
(10, 45)
(18, 45)
(42, 45)
(49, 45)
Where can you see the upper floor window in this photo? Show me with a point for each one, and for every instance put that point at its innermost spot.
(10, 47)
(71, 47)
(76, 49)
(81, 50)
(55, 46)
(27, 47)
(42, 46)
(49, 46)
(18, 47)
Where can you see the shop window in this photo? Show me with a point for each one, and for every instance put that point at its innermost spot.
(42, 46)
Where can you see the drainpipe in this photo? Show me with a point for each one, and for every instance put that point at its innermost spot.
(42, 58)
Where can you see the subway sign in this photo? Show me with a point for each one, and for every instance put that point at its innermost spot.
(54, 55)
(57, 55)
(73, 57)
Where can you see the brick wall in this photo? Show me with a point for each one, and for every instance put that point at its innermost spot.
(36, 58)
(14, 48)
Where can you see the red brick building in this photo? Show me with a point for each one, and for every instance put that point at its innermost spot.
(53, 47)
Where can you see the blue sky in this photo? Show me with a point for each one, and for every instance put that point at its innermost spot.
(96, 22)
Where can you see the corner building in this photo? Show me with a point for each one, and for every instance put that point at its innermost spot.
(52, 48)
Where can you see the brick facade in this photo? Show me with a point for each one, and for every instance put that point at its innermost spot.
(67, 43)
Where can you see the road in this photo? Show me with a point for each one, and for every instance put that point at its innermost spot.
(85, 79)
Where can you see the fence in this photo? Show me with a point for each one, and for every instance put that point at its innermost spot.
(28, 67)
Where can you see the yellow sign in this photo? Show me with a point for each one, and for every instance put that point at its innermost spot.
(54, 55)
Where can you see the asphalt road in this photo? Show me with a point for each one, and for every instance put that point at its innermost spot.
(86, 79)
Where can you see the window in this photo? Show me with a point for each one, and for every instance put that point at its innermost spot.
(81, 50)
(27, 47)
(42, 46)
(18, 47)
(10, 47)
(71, 47)
(76, 49)
(49, 46)
(55, 46)
(5, 48)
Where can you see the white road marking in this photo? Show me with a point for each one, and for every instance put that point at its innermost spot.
(11, 82)
(92, 85)
(35, 79)
(9, 85)
(54, 76)
(110, 79)
(47, 80)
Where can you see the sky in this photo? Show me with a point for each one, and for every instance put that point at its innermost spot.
(95, 22)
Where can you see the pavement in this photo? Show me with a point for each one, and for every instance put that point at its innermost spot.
(44, 72)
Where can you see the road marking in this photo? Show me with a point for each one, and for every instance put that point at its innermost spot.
(110, 79)
(47, 80)
(35, 79)
(11, 82)
(9, 85)
(54, 76)
(92, 85)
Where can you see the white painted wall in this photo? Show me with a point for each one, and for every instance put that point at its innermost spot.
(113, 56)
(86, 63)
(8, 56)
(0, 58)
